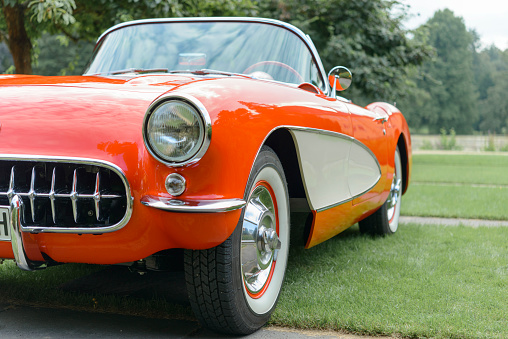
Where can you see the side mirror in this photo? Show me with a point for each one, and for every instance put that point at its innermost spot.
(340, 79)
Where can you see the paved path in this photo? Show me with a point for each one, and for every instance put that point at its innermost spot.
(453, 222)
(40, 322)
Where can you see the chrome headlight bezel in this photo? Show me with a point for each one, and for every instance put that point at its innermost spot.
(205, 122)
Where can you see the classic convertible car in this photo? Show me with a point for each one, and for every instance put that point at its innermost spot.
(203, 135)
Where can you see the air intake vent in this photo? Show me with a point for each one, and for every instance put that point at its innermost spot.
(66, 195)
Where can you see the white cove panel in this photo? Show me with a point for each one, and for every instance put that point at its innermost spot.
(364, 171)
(324, 165)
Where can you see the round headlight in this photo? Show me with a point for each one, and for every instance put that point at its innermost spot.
(175, 131)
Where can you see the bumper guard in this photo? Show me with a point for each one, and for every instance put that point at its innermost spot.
(18, 240)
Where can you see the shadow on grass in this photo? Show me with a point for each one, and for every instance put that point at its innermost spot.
(117, 289)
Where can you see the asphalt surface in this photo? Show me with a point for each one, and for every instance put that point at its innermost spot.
(39, 322)
(24, 321)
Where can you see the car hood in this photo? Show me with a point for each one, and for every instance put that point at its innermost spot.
(79, 116)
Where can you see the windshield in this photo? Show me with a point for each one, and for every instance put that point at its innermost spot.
(258, 49)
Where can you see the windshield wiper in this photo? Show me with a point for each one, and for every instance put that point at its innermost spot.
(135, 70)
(165, 70)
(205, 72)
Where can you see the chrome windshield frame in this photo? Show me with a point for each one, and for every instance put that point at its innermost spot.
(304, 37)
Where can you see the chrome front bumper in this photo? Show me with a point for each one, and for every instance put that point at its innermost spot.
(20, 237)
(192, 206)
(17, 237)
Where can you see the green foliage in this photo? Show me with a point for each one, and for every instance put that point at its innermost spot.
(490, 147)
(60, 56)
(448, 143)
(451, 99)
(5, 58)
(494, 107)
(462, 87)
(59, 11)
(363, 35)
(427, 145)
(86, 19)
(93, 17)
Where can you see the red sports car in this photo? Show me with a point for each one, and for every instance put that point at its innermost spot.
(198, 134)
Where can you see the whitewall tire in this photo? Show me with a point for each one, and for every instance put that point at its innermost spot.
(234, 287)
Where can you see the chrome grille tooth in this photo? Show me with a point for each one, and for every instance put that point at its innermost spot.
(97, 196)
(110, 196)
(32, 194)
(74, 195)
(80, 184)
(52, 195)
(10, 191)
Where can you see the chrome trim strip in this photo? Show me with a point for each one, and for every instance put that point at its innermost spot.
(18, 247)
(323, 132)
(207, 126)
(304, 37)
(85, 161)
(192, 206)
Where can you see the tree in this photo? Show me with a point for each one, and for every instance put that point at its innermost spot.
(448, 78)
(60, 56)
(22, 22)
(364, 35)
(5, 58)
(494, 112)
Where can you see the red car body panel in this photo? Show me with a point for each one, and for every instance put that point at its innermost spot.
(101, 118)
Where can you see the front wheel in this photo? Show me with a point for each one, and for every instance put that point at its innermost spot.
(234, 287)
(386, 219)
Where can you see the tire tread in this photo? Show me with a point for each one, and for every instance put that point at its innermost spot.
(210, 280)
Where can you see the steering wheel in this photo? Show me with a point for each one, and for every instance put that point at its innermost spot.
(275, 63)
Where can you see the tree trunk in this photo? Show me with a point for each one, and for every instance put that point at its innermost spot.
(18, 41)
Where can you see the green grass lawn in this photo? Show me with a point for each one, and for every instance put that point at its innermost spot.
(454, 168)
(458, 186)
(426, 281)
(456, 202)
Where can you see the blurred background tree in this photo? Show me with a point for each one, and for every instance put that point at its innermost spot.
(448, 79)
(23, 23)
(367, 36)
(494, 103)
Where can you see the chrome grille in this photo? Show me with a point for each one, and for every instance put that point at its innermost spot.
(66, 195)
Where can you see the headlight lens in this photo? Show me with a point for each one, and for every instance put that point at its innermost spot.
(175, 131)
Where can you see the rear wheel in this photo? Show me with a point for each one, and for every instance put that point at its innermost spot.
(234, 287)
(386, 219)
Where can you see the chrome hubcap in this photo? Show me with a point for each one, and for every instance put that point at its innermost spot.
(260, 242)
(394, 196)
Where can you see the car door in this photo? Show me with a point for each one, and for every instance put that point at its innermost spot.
(369, 129)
